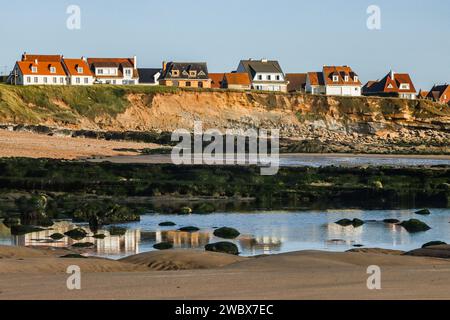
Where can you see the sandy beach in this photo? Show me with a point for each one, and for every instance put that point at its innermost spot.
(36, 274)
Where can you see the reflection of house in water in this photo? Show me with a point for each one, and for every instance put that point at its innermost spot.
(126, 244)
(261, 244)
(349, 234)
(181, 239)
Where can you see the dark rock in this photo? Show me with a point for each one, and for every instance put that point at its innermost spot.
(73, 256)
(189, 229)
(423, 212)
(347, 222)
(205, 208)
(99, 236)
(414, 225)
(117, 231)
(357, 222)
(167, 224)
(83, 245)
(57, 236)
(223, 247)
(163, 246)
(440, 251)
(433, 243)
(392, 221)
(76, 234)
(358, 245)
(226, 233)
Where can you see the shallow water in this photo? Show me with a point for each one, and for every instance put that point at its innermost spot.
(261, 232)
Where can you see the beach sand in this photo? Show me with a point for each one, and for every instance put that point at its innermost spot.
(297, 275)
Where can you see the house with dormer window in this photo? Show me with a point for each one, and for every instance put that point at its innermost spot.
(185, 74)
(116, 71)
(35, 69)
(78, 72)
(265, 75)
(392, 85)
(439, 93)
(334, 81)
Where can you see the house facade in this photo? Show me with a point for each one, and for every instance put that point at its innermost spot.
(116, 71)
(38, 70)
(265, 75)
(334, 81)
(78, 72)
(296, 82)
(440, 93)
(149, 76)
(185, 75)
(237, 81)
(392, 85)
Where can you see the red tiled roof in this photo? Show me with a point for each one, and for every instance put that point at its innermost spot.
(236, 78)
(316, 78)
(389, 85)
(41, 57)
(440, 93)
(341, 71)
(43, 68)
(73, 64)
(216, 80)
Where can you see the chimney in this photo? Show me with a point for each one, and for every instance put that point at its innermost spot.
(35, 61)
(24, 56)
(264, 60)
(164, 66)
(392, 75)
(135, 62)
(83, 58)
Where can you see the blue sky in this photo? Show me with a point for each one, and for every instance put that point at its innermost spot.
(302, 35)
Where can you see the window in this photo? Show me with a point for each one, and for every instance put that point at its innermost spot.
(127, 72)
(28, 79)
(404, 86)
(45, 79)
(61, 80)
(260, 77)
(114, 82)
(278, 78)
(80, 69)
(200, 84)
(78, 80)
(188, 83)
(269, 77)
(35, 79)
(356, 78)
(346, 78)
(335, 78)
(99, 71)
(55, 80)
(86, 80)
(52, 70)
(175, 73)
(34, 69)
(192, 73)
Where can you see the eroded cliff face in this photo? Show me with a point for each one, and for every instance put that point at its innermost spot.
(327, 121)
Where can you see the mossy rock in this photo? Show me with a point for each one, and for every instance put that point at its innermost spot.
(83, 245)
(99, 236)
(117, 231)
(226, 233)
(414, 225)
(223, 247)
(433, 243)
(45, 222)
(76, 234)
(163, 246)
(73, 256)
(57, 236)
(189, 229)
(167, 224)
(205, 208)
(347, 222)
(423, 212)
(11, 221)
(185, 210)
(392, 221)
(19, 230)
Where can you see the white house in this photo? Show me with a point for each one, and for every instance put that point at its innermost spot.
(334, 81)
(114, 70)
(265, 75)
(78, 72)
(38, 70)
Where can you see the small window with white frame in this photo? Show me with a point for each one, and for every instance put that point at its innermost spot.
(80, 69)
(346, 78)
(335, 78)
(404, 86)
(52, 70)
(34, 69)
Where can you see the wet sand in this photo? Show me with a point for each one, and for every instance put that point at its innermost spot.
(297, 275)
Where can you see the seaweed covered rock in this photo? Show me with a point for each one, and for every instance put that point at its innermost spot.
(423, 212)
(106, 212)
(223, 247)
(83, 245)
(57, 236)
(117, 231)
(76, 234)
(226, 233)
(433, 243)
(167, 224)
(347, 222)
(414, 225)
(189, 229)
(163, 246)
(391, 221)
(18, 230)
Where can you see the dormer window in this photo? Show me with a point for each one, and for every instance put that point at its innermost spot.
(356, 78)
(80, 69)
(34, 69)
(346, 78)
(192, 73)
(175, 73)
(52, 70)
(335, 78)
(404, 86)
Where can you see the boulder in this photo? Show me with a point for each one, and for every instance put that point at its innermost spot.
(414, 225)
(440, 251)
(392, 221)
(223, 247)
(73, 256)
(83, 245)
(347, 222)
(99, 236)
(433, 243)
(423, 212)
(57, 236)
(76, 234)
(189, 229)
(163, 246)
(167, 224)
(226, 233)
